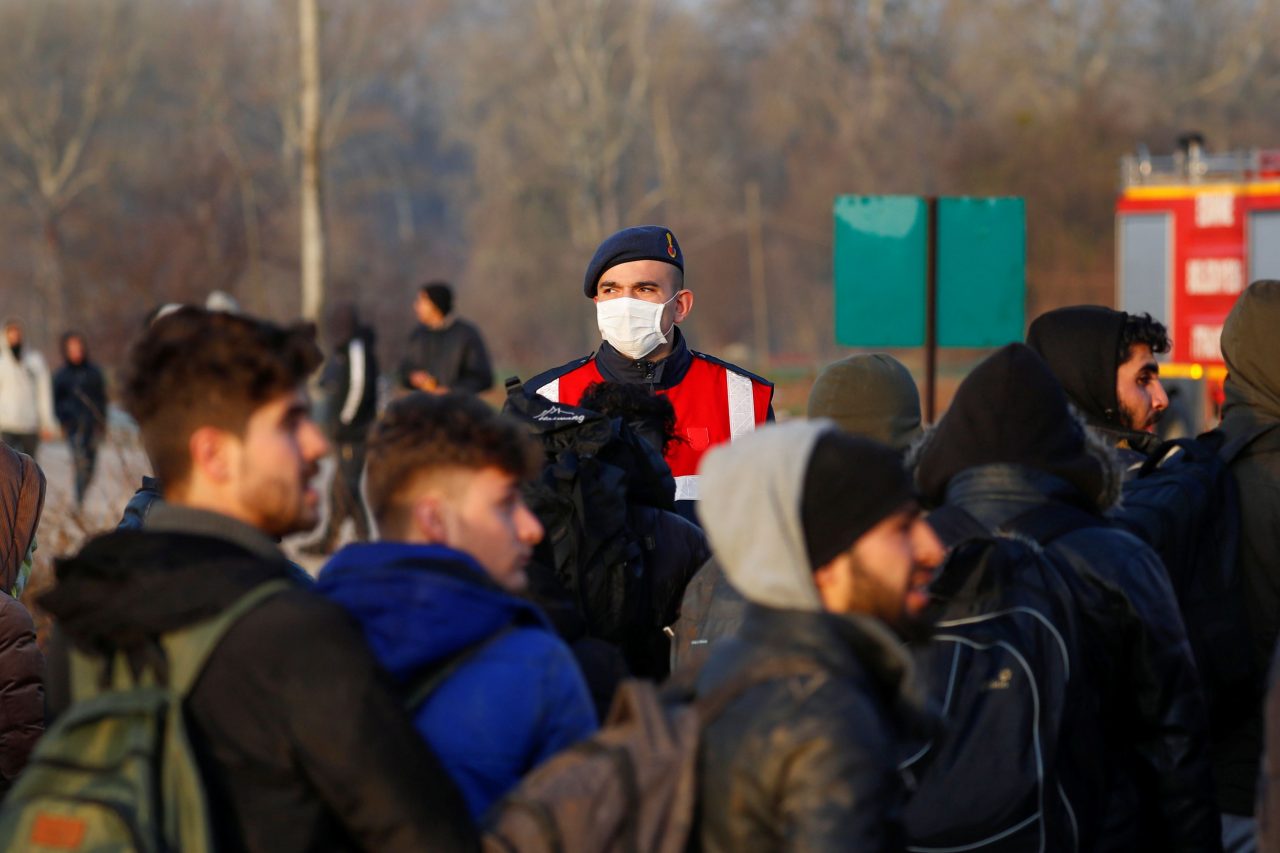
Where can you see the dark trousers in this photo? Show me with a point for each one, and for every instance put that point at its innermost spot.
(344, 494)
(23, 442)
(84, 455)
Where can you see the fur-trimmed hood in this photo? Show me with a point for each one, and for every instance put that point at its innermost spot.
(1011, 411)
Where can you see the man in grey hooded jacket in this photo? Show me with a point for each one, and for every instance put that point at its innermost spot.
(867, 394)
(827, 563)
(1250, 421)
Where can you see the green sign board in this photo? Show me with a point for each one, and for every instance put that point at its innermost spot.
(881, 255)
(879, 270)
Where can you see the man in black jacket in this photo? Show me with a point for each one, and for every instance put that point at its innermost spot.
(806, 758)
(1009, 453)
(673, 548)
(350, 384)
(446, 353)
(80, 402)
(1251, 427)
(302, 742)
(1106, 362)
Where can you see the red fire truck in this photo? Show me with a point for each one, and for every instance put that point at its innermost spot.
(1192, 230)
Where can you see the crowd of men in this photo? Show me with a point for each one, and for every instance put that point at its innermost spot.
(1031, 626)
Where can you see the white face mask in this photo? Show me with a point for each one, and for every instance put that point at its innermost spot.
(632, 326)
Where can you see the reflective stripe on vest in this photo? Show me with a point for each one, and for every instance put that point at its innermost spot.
(687, 488)
(713, 404)
(551, 390)
(742, 405)
(742, 420)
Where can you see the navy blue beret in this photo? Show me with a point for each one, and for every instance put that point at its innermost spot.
(641, 243)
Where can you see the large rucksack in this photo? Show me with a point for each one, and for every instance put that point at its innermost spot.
(581, 498)
(116, 771)
(1184, 503)
(630, 788)
(999, 667)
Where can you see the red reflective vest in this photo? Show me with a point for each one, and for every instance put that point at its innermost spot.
(714, 403)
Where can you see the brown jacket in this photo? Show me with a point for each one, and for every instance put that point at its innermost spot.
(21, 664)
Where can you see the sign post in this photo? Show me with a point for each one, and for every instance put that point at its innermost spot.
(929, 272)
(931, 313)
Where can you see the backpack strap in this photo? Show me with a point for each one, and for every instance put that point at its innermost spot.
(1233, 449)
(176, 660)
(955, 525)
(1046, 522)
(428, 681)
(189, 649)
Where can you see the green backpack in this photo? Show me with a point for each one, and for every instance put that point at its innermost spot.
(116, 771)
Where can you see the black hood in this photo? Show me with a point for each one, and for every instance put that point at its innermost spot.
(1251, 349)
(1010, 410)
(126, 587)
(1081, 345)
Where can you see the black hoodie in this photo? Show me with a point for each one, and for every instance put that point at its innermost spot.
(301, 740)
(1081, 345)
(1010, 410)
(1010, 453)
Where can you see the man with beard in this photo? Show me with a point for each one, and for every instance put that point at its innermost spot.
(301, 742)
(831, 564)
(1010, 454)
(1106, 363)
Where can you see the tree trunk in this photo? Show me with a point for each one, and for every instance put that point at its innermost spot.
(52, 286)
(311, 201)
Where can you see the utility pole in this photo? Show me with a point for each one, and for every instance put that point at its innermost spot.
(310, 197)
(755, 266)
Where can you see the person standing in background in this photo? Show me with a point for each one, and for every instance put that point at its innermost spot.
(350, 384)
(446, 353)
(80, 402)
(26, 397)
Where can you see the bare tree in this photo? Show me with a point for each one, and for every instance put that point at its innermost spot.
(67, 67)
(313, 236)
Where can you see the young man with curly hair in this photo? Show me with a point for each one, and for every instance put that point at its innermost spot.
(1106, 362)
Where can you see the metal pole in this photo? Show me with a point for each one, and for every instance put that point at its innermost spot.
(931, 311)
(755, 268)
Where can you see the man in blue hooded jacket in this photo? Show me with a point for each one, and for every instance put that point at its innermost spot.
(436, 596)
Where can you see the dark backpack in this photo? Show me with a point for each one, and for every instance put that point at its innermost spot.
(581, 497)
(1184, 503)
(999, 666)
(116, 772)
(633, 785)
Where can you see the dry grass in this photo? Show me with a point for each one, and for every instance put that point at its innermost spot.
(64, 526)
